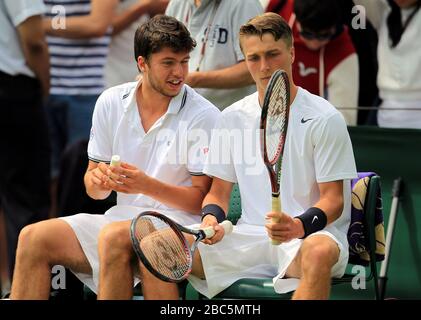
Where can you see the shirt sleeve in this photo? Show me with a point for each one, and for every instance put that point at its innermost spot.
(243, 12)
(20, 10)
(100, 142)
(198, 139)
(219, 162)
(333, 154)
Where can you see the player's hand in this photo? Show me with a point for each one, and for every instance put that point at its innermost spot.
(210, 221)
(97, 176)
(126, 178)
(285, 229)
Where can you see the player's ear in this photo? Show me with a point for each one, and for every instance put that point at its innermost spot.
(141, 63)
(292, 53)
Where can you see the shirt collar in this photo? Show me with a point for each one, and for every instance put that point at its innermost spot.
(176, 103)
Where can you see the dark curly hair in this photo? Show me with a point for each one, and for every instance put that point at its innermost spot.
(159, 32)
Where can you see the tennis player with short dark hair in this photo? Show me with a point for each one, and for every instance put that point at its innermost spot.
(151, 125)
(318, 163)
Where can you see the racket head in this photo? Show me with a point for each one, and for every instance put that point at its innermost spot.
(161, 246)
(274, 125)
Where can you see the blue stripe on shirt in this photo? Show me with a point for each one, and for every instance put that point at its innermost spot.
(85, 55)
(93, 77)
(59, 66)
(81, 86)
(75, 45)
(69, 2)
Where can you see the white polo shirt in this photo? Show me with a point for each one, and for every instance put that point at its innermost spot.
(172, 151)
(12, 14)
(222, 47)
(318, 149)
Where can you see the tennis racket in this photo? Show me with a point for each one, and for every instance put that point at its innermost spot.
(273, 132)
(163, 249)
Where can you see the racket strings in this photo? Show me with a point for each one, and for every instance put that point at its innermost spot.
(162, 248)
(276, 121)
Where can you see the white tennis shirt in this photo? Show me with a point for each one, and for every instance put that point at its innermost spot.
(173, 149)
(318, 149)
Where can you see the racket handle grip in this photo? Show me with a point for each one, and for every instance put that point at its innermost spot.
(115, 160)
(227, 225)
(276, 207)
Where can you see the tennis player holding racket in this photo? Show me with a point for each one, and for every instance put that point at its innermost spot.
(144, 123)
(317, 163)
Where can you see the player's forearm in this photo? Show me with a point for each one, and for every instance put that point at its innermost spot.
(219, 200)
(332, 206)
(236, 76)
(219, 194)
(93, 190)
(184, 198)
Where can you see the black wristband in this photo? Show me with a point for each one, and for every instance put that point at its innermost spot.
(314, 219)
(214, 210)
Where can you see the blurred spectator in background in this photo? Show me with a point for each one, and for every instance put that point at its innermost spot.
(325, 60)
(120, 66)
(217, 67)
(398, 23)
(264, 4)
(79, 35)
(24, 82)
(364, 38)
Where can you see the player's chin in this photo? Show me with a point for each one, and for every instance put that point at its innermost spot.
(169, 93)
(174, 88)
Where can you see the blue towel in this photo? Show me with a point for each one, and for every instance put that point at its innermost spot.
(358, 241)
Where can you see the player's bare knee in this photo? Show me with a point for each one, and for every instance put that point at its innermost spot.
(114, 243)
(319, 256)
(30, 242)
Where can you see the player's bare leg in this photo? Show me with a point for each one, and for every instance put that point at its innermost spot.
(156, 289)
(41, 246)
(116, 258)
(313, 264)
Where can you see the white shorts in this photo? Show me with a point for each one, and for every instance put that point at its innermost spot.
(88, 226)
(248, 253)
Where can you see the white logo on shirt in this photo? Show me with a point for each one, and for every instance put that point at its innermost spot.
(305, 72)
